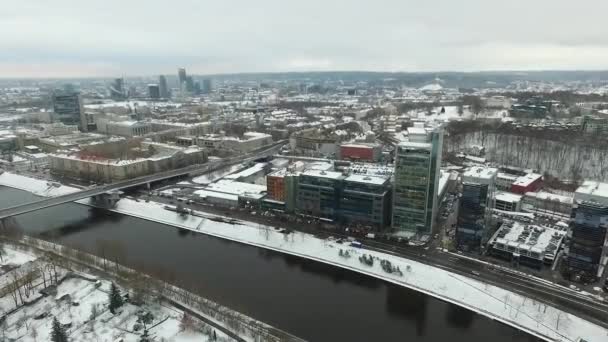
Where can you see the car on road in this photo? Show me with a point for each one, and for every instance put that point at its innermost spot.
(475, 273)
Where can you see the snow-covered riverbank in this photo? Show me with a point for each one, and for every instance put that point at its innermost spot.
(524, 313)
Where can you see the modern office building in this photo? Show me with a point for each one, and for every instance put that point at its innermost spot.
(358, 200)
(586, 255)
(163, 88)
(417, 164)
(197, 88)
(154, 91)
(366, 200)
(477, 192)
(68, 109)
(318, 193)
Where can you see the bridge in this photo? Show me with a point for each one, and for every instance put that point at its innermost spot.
(134, 182)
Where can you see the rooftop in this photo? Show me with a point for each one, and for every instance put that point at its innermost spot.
(523, 238)
(412, 144)
(374, 180)
(258, 167)
(508, 197)
(477, 173)
(592, 190)
(543, 195)
(527, 179)
(237, 188)
(323, 174)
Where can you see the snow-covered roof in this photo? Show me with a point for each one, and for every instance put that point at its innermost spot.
(323, 174)
(373, 180)
(258, 167)
(543, 240)
(508, 197)
(481, 175)
(543, 195)
(592, 191)
(527, 179)
(412, 144)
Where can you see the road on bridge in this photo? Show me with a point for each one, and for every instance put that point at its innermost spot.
(198, 168)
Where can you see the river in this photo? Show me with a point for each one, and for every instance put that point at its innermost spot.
(314, 301)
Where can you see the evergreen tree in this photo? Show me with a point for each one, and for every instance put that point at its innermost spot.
(58, 333)
(115, 298)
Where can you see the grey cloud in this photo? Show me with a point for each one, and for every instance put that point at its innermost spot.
(149, 37)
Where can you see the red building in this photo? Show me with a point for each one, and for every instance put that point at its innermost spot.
(360, 152)
(531, 182)
(275, 186)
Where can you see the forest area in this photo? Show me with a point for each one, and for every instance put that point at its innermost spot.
(567, 159)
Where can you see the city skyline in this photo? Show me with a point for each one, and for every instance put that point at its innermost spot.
(55, 40)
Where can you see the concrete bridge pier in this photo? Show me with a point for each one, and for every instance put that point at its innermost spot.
(107, 199)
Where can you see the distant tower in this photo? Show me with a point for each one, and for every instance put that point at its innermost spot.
(154, 91)
(189, 84)
(117, 89)
(68, 108)
(206, 86)
(162, 85)
(181, 77)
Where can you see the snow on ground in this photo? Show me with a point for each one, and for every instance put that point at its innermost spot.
(36, 186)
(11, 256)
(510, 308)
(451, 113)
(156, 212)
(73, 303)
(212, 177)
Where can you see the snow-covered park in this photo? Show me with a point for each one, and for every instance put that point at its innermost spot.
(35, 291)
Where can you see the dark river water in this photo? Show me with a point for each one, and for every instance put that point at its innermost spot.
(314, 301)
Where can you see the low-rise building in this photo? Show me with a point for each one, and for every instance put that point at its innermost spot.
(527, 244)
(504, 181)
(529, 183)
(92, 167)
(361, 152)
(547, 203)
(231, 193)
(250, 141)
(127, 128)
(507, 201)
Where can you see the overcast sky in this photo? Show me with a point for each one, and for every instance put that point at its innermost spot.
(42, 38)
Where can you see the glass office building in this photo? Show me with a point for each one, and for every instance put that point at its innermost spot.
(417, 164)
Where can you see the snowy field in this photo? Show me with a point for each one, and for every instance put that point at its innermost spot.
(81, 304)
(451, 113)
